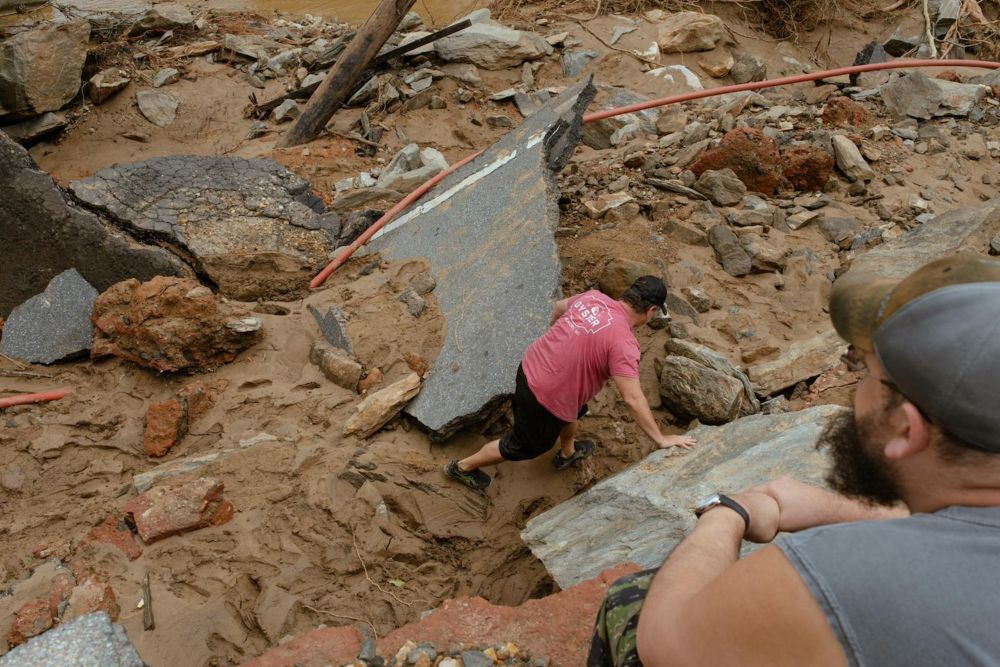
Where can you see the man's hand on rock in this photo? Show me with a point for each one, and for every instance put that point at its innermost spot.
(682, 441)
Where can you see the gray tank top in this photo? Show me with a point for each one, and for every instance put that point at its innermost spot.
(924, 590)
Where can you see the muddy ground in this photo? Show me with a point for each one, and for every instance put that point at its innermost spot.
(333, 530)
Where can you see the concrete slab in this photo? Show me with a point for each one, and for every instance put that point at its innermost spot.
(55, 324)
(487, 232)
(640, 514)
(47, 235)
(86, 640)
(251, 226)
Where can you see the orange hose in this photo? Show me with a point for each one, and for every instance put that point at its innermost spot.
(26, 399)
(632, 108)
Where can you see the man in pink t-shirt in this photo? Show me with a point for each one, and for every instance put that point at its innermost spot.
(589, 340)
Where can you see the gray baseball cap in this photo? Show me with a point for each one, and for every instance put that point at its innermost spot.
(937, 335)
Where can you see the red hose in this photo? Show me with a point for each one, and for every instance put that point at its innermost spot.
(26, 399)
(632, 108)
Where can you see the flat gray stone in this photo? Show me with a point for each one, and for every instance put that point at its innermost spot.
(54, 325)
(920, 96)
(54, 235)
(492, 46)
(640, 514)
(107, 17)
(333, 324)
(487, 232)
(249, 225)
(574, 62)
(158, 108)
(28, 131)
(798, 361)
(87, 640)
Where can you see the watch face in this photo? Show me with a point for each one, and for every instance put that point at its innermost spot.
(705, 503)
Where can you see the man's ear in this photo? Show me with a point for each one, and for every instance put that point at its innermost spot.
(909, 432)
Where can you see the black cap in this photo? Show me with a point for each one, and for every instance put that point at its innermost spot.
(651, 291)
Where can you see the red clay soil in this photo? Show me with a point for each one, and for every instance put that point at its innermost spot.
(557, 627)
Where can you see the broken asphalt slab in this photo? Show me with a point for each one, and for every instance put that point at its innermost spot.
(91, 639)
(643, 512)
(488, 233)
(46, 235)
(251, 226)
(53, 325)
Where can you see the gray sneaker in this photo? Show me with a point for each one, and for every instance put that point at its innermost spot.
(583, 449)
(474, 479)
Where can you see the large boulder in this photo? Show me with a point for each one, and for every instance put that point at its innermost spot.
(170, 324)
(685, 32)
(709, 358)
(40, 69)
(799, 361)
(253, 227)
(751, 155)
(640, 514)
(49, 235)
(496, 279)
(54, 325)
(619, 274)
(692, 391)
(492, 46)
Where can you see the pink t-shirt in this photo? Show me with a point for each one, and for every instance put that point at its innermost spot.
(572, 361)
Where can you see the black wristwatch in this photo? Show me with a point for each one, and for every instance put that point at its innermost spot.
(719, 499)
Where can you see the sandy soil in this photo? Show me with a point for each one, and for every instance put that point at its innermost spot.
(334, 530)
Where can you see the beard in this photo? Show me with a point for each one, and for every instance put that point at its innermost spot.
(856, 471)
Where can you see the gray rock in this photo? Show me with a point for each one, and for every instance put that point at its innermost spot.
(165, 77)
(29, 131)
(764, 257)
(249, 225)
(40, 69)
(515, 276)
(380, 407)
(253, 47)
(415, 303)
(164, 16)
(476, 659)
(106, 83)
(701, 301)
(712, 359)
(338, 368)
(748, 68)
(920, 96)
(286, 111)
(158, 108)
(107, 18)
(850, 161)
(574, 62)
(423, 283)
(734, 259)
(597, 134)
(674, 186)
(333, 324)
(722, 187)
(492, 46)
(642, 513)
(54, 325)
(54, 236)
(839, 230)
(692, 391)
(995, 245)
(91, 639)
(799, 361)
(421, 650)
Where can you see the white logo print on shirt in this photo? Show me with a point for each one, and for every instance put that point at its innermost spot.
(589, 316)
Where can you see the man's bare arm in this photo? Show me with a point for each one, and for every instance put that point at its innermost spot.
(805, 506)
(558, 310)
(631, 391)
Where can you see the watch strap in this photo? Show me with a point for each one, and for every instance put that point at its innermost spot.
(736, 507)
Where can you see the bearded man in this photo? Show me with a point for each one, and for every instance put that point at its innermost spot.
(893, 567)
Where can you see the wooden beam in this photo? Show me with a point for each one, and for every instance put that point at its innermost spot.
(345, 75)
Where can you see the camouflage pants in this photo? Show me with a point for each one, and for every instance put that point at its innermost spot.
(617, 620)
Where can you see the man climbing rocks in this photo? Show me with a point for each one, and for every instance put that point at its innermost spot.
(589, 340)
(857, 580)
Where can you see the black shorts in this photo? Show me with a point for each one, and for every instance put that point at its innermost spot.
(535, 428)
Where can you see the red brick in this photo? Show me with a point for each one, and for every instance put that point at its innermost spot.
(61, 590)
(91, 596)
(178, 508)
(842, 111)
(31, 620)
(166, 424)
(751, 155)
(115, 531)
(807, 167)
(558, 627)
